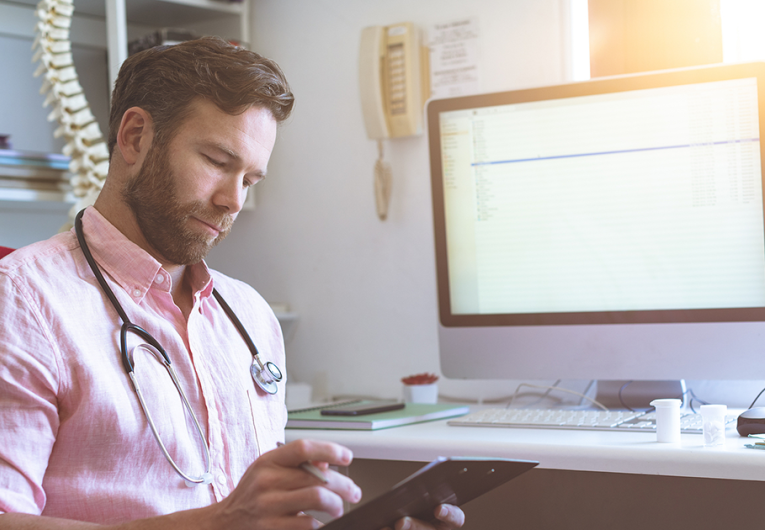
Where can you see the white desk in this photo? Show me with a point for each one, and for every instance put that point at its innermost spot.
(602, 451)
(586, 479)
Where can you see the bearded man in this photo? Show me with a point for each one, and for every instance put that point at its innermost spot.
(192, 126)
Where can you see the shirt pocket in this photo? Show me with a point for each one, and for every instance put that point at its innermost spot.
(267, 420)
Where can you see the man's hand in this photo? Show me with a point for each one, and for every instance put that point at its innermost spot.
(448, 517)
(274, 492)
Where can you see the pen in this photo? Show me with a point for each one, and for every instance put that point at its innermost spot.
(310, 468)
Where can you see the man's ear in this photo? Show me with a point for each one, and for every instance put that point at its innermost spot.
(135, 135)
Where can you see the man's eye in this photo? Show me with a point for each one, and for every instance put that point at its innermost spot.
(214, 162)
(248, 182)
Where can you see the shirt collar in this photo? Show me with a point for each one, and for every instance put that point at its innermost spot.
(134, 269)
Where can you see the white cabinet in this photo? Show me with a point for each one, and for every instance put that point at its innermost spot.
(228, 19)
(129, 19)
(96, 25)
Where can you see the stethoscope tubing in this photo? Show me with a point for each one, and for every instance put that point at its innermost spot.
(275, 375)
(268, 382)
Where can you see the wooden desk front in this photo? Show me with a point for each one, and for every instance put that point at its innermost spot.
(586, 479)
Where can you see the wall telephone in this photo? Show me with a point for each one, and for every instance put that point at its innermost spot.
(394, 82)
(393, 79)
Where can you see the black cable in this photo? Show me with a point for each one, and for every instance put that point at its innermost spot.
(96, 270)
(695, 397)
(237, 323)
(621, 400)
(758, 397)
(682, 397)
(587, 389)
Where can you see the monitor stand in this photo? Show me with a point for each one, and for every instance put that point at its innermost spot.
(638, 395)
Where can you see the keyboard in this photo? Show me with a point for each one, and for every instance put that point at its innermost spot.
(611, 420)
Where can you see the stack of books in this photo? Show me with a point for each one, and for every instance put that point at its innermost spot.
(312, 418)
(26, 176)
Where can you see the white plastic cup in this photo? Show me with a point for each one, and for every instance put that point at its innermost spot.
(421, 393)
(713, 424)
(297, 395)
(667, 420)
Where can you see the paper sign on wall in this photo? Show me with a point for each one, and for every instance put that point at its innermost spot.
(454, 65)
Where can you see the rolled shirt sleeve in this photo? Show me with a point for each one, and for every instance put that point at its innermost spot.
(28, 405)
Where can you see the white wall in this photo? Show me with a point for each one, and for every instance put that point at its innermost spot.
(364, 289)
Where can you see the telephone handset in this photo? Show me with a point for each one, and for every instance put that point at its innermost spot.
(393, 78)
(394, 85)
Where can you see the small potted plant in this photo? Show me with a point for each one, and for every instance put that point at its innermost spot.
(420, 388)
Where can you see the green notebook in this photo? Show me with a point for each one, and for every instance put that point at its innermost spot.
(411, 413)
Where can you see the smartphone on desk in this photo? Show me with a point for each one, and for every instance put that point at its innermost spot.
(362, 407)
(454, 480)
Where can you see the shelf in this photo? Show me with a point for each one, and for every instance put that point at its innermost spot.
(202, 16)
(229, 20)
(21, 195)
(179, 13)
(110, 24)
(161, 13)
(288, 322)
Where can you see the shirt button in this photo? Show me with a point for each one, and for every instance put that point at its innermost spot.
(221, 479)
(159, 279)
(136, 292)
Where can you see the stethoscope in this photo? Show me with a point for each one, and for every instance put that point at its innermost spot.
(266, 375)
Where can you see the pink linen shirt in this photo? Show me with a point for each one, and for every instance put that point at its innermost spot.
(74, 442)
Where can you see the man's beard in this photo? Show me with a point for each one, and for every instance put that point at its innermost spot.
(163, 220)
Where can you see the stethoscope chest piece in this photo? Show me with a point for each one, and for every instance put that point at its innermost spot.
(266, 376)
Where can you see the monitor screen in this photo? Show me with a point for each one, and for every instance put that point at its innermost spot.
(611, 229)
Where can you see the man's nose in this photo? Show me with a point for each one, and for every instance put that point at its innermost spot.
(231, 195)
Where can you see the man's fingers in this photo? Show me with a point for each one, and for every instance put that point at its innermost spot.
(275, 485)
(316, 498)
(295, 453)
(453, 516)
(407, 523)
(295, 479)
(319, 454)
(448, 517)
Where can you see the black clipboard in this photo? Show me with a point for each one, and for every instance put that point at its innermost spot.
(454, 480)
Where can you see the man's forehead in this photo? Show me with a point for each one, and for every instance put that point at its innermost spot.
(205, 106)
(245, 139)
(207, 119)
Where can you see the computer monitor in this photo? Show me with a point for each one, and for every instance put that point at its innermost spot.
(609, 229)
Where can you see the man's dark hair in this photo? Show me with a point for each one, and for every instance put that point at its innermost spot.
(165, 80)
